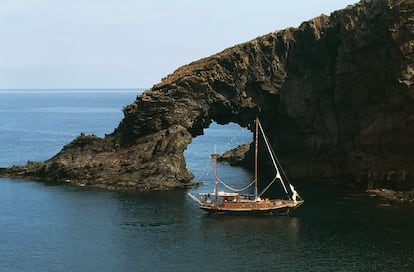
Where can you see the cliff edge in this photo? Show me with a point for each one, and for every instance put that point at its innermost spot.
(335, 96)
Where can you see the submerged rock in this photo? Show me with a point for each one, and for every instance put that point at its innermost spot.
(335, 96)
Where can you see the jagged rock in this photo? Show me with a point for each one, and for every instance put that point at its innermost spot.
(236, 156)
(335, 96)
(104, 163)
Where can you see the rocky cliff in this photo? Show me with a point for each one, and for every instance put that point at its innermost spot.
(335, 96)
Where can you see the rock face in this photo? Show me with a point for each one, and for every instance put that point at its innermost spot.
(335, 96)
(236, 156)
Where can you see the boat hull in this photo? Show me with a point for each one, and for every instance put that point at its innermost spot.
(277, 207)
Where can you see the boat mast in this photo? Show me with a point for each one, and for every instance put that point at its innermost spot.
(215, 173)
(256, 154)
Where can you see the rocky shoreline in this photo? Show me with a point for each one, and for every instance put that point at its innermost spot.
(392, 195)
(236, 156)
(102, 163)
(335, 95)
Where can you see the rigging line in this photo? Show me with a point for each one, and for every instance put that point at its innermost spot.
(272, 156)
(234, 189)
(277, 160)
(284, 175)
(207, 170)
(268, 186)
(281, 170)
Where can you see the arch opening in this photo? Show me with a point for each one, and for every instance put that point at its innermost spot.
(217, 139)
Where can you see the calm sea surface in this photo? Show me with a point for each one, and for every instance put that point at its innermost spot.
(68, 228)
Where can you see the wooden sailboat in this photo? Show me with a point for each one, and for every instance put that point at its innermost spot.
(221, 202)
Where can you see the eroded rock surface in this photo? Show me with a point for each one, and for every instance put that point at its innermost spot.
(236, 156)
(335, 96)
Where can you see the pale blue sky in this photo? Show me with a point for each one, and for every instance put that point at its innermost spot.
(130, 43)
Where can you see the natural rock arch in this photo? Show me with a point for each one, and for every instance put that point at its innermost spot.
(335, 96)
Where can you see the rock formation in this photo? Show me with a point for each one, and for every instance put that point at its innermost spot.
(236, 156)
(335, 96)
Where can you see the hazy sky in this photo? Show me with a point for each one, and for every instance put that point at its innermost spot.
(130, 43)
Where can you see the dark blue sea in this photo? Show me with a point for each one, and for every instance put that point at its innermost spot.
(52, 227)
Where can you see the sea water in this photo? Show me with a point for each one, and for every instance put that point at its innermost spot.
(60, 227)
